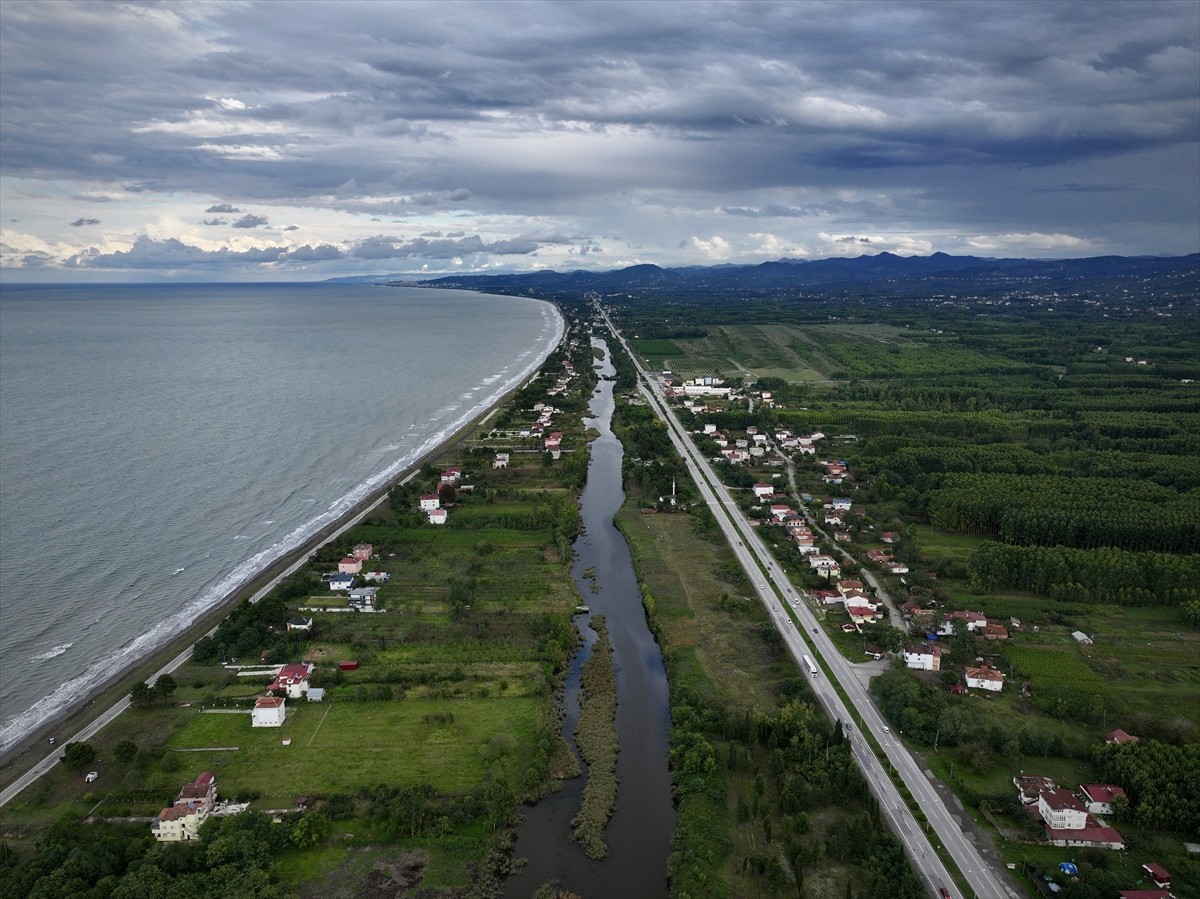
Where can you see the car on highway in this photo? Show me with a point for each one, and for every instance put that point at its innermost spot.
(944, 893)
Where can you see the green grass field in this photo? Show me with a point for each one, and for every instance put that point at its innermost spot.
(338, 747)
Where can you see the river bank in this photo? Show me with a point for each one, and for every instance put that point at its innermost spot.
(26, 752)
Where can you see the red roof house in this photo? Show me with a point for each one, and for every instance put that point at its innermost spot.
(1158, 874)
(1119, 736)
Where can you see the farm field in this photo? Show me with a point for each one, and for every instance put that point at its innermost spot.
(340, 747)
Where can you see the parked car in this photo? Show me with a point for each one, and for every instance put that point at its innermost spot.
(91, 775)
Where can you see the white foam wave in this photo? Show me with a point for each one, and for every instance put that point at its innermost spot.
(53, 652)
(78, 687)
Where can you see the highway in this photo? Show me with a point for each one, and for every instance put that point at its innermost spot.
(791, 612)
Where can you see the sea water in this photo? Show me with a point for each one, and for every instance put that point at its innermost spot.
(159, 445)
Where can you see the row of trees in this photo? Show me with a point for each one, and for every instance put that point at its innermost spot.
(1081, 575)
(1082, 512)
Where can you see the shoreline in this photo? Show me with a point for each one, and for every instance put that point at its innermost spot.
(25, 755)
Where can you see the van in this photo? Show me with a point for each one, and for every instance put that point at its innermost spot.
(886, 729)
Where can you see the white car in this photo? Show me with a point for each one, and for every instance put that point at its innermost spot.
(91, 775)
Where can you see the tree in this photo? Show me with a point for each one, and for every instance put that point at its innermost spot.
(125, 751)
(164, 687)
(78, 755)
(141, 696)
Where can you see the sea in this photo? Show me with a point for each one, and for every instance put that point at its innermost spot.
(160, 445)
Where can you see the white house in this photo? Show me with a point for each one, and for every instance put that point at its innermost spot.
(1061, 810)
(438, 516)
(973, 621)
(269, 711)
(293, 679)
(177, 824)
(501, 460)
(430, 501)
(985, 679)
(1099, 797)
(341, 581)
(923, 658)
(761, 489)
(299, 624)
(841, 504)
(780, 511)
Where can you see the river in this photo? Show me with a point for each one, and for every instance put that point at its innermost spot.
(639, 832)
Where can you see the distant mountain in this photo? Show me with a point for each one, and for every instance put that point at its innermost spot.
(884, 273)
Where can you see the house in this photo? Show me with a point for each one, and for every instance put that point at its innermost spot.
(501, 460)
(861, 615)
(177, 824)
(350, 565)
(1119, 736)
(376, 577)
(1159, 874)
(363, 596)
(896, 568)
(841, 504)
(923, 658)
(842, 536)
(985, 679)
(879, 556)
(341, 582)
(201, 793)
(761, 490)
(780, 511)
(1031, 786)
(974, 622)
(1060, 810)
(438, 516)
(299, 624)
(315, 694)
(430, 501)
(554, 440)
(889, 537)
(1098, 797)
(995, 632)
(292, 679)
(269, 711)
(451, 475)
(1081, 638)
(362, 551)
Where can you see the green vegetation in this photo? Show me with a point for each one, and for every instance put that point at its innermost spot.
(597, 740)
(1033, 472)
(421, 750)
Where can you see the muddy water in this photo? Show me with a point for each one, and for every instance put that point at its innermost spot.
(639, 833)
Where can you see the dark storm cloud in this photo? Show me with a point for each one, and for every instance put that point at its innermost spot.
(148, 253)
(525, 112)
(250, 220)
(80, 222)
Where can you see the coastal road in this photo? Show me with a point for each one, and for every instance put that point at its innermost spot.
(110, 714)
(789, 609)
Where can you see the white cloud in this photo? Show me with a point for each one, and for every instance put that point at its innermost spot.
(714, 248)
(1031, 240)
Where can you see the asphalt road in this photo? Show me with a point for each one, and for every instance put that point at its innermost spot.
(791, 612)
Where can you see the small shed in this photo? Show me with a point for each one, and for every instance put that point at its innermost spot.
(316, 694)
(347, 666)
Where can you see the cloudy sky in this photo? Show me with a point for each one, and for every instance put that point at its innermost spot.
(281, 140)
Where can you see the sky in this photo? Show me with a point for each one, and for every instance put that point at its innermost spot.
(304, 140)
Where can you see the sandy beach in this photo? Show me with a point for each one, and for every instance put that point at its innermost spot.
(32, 748)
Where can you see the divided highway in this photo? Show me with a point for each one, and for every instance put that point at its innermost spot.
(791, 613)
